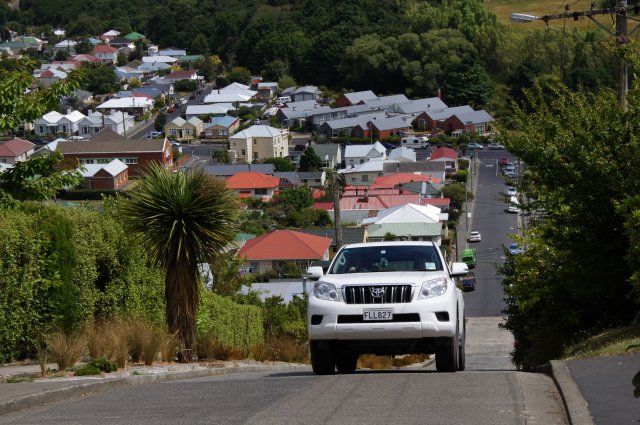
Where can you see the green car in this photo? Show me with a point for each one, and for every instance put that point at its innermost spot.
(469, 257)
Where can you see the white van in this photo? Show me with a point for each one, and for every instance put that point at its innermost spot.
(415, 142)
(283, 99)
(514, 206)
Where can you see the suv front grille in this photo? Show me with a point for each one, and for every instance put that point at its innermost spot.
(377, 294)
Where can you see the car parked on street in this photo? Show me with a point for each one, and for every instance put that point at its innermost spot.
(514, 249)
(475, 236)
(468, 282)
(386, 298)
(494, 146)
(511, 191)
(475, 146)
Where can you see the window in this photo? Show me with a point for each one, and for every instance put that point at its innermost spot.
(87, 161)
(188, 131)
(41, 129)
(260, 191)
(365, 177)
(223, 132)
(255, 142)
(172, 131)
(243, 152)
(103, 160)
(129, 160)
(480, 128)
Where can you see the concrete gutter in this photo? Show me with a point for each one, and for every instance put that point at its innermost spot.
(575, 405)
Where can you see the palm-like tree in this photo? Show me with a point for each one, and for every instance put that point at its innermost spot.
(181, 219)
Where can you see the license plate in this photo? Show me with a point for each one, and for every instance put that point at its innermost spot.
(377, 314)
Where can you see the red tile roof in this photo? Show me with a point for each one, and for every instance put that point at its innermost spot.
(377, 201)
(392, 180)
(103, 48)
(444, 152)
(46, 73)
(15, 147)
(323, 205)
(252, 180)
(84, 57)
(285, 245)
(181, 74)
(436, 202)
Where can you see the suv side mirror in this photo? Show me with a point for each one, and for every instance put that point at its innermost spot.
(314, 272)
(459, 269)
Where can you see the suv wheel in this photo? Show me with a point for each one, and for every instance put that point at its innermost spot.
(346, 362)
(447, 355)
(461, 344)
(323, 360)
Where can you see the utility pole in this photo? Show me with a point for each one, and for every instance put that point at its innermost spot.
(621, 32)
(336, 209)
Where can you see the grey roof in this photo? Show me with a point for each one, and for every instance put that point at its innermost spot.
(231, 169)
(325, 149)
(107, 134)
(445, 113)
(386, 101)
(420, 105)
(414, 229)
(307, 89)
(303, 105)
(306, 175)
(358, 96)
(94, 146)
(474, 117)
(290, 113)
(432, 189)
(410, 167)
(349, 234)
(292, 176)
(349, 122)
(390, 123)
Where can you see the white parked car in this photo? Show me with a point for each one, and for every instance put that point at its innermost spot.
(475, 236)
(386, 298)
(511, 191)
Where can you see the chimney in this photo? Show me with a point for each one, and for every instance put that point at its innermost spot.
(430, 178)
(401, 189)
(439, 94)
(424, 188)
(366, 194)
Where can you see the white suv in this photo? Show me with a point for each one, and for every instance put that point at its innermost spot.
(386, 298)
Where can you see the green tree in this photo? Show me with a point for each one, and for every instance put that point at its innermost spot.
(185, 85)
(160, 121)
(101, 80)
(200, 45)
(61, 55)
(310, 161)
(296, 197)
(274, 70)
(280, 164)
(566, 284)
(37, 179)
(182, 219)
(239, 74)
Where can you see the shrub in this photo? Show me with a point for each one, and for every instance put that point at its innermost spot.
(109, 339)
(96, 367)
(66, 348)
(145, 341)
(87, 370)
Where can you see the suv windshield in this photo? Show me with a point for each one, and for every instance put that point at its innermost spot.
(386, 259)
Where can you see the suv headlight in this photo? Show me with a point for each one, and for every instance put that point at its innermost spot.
(325, 291)
(433, 288)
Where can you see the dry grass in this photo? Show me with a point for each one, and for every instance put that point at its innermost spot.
(109, 339)
(214, 350)
(611, 342)
(145, 341)
(283, 348)
(504, 8)
(66, 348)
(371, 361)
(409, 359)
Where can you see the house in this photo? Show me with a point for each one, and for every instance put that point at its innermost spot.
(266, 90)
(47, 77)
(348, 99)
(270, 252)
(128, 73)
(15, 150)
(365, 173)
(100, 176)
(329, 153)
(448, 156)
(119, 122)
(251, 184)
(220, 128)
(416, 107)
(399, 180)
(182, 129)
(299, 114)
(385, 127)
(53, 123)
(409, 221)
(477, 122)
(313, 179)
(385, 102)
(403, 154)
(68, 45)
(133, 105)
(85, 57)
(227, 170)
(346, 126)
(258, 142)
(358, 203)
(305, 93)
(359, 154)
(105, 53)
(437, 169)
(123, 44)
(106, 146)
(427, 189)
(230, 96)
(323, 114)
(191, 75)
(434, 118)
(212, 110)
(172, 52)
(159, 58)
(135, 36)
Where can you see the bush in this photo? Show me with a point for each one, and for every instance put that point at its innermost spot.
(66, 348)
(96, 367)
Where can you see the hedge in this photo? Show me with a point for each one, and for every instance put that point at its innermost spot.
(233, 325)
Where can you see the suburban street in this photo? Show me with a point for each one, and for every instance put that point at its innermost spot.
(490, 391)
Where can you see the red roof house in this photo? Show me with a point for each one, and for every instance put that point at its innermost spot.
(252, 184)
(448, 156)
(275, 249)
(15, 150)
(393, 180)
(105, 53)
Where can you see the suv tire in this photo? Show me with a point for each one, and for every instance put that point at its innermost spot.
(461, 345)
(323, 360)
(447, 355)
(346, 362)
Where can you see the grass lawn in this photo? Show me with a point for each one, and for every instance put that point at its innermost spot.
(611, 342)
(504, 8)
